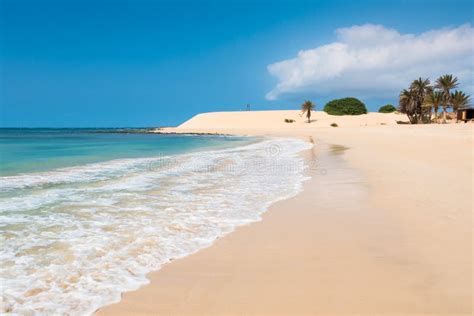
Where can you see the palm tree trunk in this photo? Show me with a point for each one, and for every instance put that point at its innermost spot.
(445, 106)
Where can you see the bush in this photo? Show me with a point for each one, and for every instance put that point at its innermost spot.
(334, 125)
(345, 106)
(387, 109)
(289, 121)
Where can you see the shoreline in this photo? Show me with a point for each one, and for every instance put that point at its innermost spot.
(276, 199)
(307, 155)
(303, 154)
(128, 237)
(392, 252)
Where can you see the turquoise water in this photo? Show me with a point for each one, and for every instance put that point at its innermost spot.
(32, 150)
(85, 215)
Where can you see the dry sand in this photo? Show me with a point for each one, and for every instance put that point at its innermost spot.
(384, 226)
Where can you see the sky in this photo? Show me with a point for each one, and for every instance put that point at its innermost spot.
(124, 63)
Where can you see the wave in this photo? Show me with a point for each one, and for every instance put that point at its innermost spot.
(74, 239)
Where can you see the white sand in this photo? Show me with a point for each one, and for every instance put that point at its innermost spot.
(218, 121)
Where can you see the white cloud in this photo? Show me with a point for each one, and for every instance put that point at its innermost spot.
(374, 61)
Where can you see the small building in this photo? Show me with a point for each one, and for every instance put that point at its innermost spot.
(465, 114)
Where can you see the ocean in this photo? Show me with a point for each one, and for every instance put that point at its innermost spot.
(85, 214)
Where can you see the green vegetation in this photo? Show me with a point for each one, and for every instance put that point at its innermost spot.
(459, 100)
(345, 106)
(446, 83)
(421, 99)
(334, 125)
(289, 120)
(387, 109)
(432, 101)
(307, 107)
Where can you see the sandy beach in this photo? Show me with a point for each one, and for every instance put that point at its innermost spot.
(384, 226)
(236, 158)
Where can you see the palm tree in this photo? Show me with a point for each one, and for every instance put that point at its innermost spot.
(433, 100)
(459, 100)
(307, 107)
(420, 88)
(446, 83)
(407, 105)
(411, 100)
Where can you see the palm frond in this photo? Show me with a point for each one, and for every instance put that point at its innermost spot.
(460, 100)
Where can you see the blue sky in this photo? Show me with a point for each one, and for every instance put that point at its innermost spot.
(157, 63)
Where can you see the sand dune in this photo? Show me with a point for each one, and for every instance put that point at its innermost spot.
(276, 119)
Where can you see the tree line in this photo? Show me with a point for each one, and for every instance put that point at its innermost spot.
(421, 100)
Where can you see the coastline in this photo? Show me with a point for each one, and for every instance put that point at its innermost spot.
(94, 231)
(367, 235)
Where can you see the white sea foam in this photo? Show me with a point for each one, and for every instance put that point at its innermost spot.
(74, 239)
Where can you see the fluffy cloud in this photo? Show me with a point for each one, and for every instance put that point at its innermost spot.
(374, 61)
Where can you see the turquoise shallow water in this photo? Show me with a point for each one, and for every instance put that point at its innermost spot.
(32, 150)
(85, 215)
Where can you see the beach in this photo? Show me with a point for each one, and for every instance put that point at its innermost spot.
(384, 226)
(236, 158)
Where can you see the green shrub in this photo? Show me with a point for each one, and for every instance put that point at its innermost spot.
(345, 106)
(334, 125)
(289, 120)
(387, 109)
